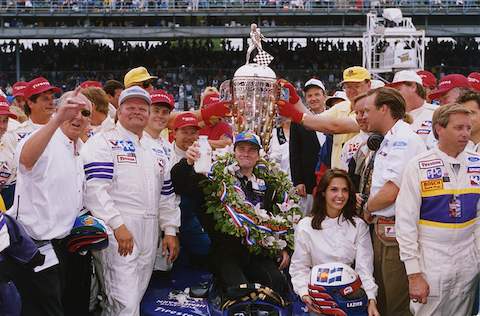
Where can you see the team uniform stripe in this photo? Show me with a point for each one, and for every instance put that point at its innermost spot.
(97, 170)
(436, 208)
(98, 164)
(99, 176)
(447, 225)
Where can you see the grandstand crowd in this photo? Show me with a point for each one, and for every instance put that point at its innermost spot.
(185, 67)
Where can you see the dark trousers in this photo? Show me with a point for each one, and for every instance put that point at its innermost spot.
(63, 289)
(232, 270)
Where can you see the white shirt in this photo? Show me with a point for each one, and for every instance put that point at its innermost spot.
(399, 145)
(337, 241)
(177, 154)
(48, 198)
(280, 153)
(123, 175)
(422, 123)
(12, 124)
(112, 111)
(107, 124)
(8, 167)
(351, 147)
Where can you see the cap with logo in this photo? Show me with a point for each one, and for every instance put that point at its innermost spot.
(91, 83)
(355, 74)
(474, 79)
(136, 75)
(161, 96)
(5, 108)
(314, 83)
(428, 79)
(337, 96)
(39, 85)
(211, 99)
(185, 119)
(134, 92)
(249, 137)
(405, 76)
(19, 89)
(448, 83)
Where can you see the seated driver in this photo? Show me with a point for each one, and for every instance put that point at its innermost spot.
(230, 260)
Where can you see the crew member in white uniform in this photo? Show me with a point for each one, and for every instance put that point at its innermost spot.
(100, 120)
(436, 219)
(124, 183)
(6, 158)
(471, 100)
(333, 234)
(384, 111)
(410, 86)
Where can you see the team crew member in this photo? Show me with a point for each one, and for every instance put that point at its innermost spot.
(471, 100)
(124, 184)
(450, 88)
(113, 88)
(100, 120)
(39, 94)
(333, 234)
(48, 198)
(429, 82)
(140, 77)
(7, 165)
(19, 102)
(384, 112)
(338, 120)
(437, 214)
(305, 145)
(219, 132)
(474, 80)
(409, 84)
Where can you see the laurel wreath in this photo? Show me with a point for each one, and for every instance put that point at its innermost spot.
(264, 232)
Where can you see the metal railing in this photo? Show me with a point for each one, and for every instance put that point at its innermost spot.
(141, 7)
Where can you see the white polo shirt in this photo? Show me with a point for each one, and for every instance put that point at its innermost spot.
(399, 145)
(48, 198)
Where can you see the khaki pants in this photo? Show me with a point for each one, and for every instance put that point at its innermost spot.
(391, 278)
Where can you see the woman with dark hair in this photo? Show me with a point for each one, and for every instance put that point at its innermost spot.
(333, 233)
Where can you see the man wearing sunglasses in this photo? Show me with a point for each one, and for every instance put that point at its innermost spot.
(48, 199)
(139, 77)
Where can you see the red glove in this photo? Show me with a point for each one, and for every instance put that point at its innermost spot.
(219, 109)
(293, 99)
(289, 110)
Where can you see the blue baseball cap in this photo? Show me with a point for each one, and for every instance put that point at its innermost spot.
(248, 136)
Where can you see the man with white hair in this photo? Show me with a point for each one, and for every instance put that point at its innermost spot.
(124, 184)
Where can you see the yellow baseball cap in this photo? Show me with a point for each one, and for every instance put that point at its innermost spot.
(136, 75)
(355, 74)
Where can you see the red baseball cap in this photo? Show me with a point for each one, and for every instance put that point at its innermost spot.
(185, 119)
(211, 99)
(161, 96)
(474, 79)
(91, 83)
(449, 82)
(428, 79)
(5, 108)
(19, 88)
(39, 85)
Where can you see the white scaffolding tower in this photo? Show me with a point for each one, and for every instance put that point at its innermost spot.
(392, 43)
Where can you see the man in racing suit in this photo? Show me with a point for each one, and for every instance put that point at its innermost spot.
(124, 183)
(436, 213)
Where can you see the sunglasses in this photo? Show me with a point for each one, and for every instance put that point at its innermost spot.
(85, 112)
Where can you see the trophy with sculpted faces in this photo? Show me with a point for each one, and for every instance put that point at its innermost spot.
(253, 92)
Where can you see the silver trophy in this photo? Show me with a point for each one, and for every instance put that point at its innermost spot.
(253, 92)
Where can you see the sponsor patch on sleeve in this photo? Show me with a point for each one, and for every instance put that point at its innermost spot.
(427, 164)
(423, 131)
(431, 185)
(473, 169)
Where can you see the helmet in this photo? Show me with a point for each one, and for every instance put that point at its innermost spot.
(88, 233)
(336, 289)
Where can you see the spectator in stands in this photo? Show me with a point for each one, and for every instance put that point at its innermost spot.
(305, 146)
(384, 112)
(51, 168)
(450, 88)
(113, 88)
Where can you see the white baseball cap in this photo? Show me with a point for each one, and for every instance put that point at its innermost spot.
(314, 83)
(134, 92)
(337, 96)
(375, 83)
(405, 76)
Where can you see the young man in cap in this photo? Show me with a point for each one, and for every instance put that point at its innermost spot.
(305, 144)
(18, 105)
(7, 165)
(437, 219)
(450, 88)
(139, 77)
(474, 80)
(429, 81)
(162, 105)
(232, 263)
(410, 86)
(48, 199)
(125, 180)
(384, 112)
(39, 94)
(338, 120)
(113, 88)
